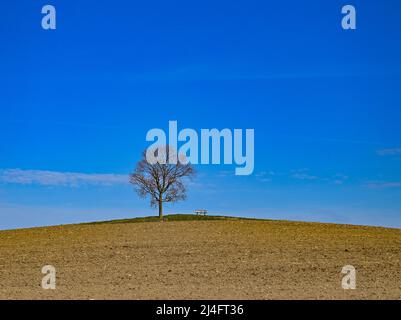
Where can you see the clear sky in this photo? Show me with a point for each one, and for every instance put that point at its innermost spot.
(325, 103)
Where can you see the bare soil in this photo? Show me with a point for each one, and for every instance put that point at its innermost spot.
(231, 259)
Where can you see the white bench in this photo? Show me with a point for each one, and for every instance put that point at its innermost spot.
(200, 212)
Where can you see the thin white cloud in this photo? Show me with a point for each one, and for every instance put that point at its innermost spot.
(389, 152)
(339, 178)
(225, 173)
(382, 184)
(303, 174)
(264, 176)
(65, 179)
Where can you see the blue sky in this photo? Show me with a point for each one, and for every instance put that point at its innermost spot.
(76, 104)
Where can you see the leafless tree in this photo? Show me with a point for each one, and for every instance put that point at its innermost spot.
(160, 178)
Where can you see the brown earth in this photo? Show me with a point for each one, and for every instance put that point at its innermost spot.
(230, 259)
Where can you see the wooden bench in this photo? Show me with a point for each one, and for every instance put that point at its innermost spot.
(200, 212)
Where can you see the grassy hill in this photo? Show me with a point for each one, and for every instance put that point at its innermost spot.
(174, 217)
(191, 257)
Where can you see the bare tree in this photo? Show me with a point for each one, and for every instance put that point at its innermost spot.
(160, 178)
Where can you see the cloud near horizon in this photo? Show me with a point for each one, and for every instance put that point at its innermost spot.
(382, 184)
(64, 179)
(303, 174)
(389, 152)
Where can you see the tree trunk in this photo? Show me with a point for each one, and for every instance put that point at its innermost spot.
(161, 210)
